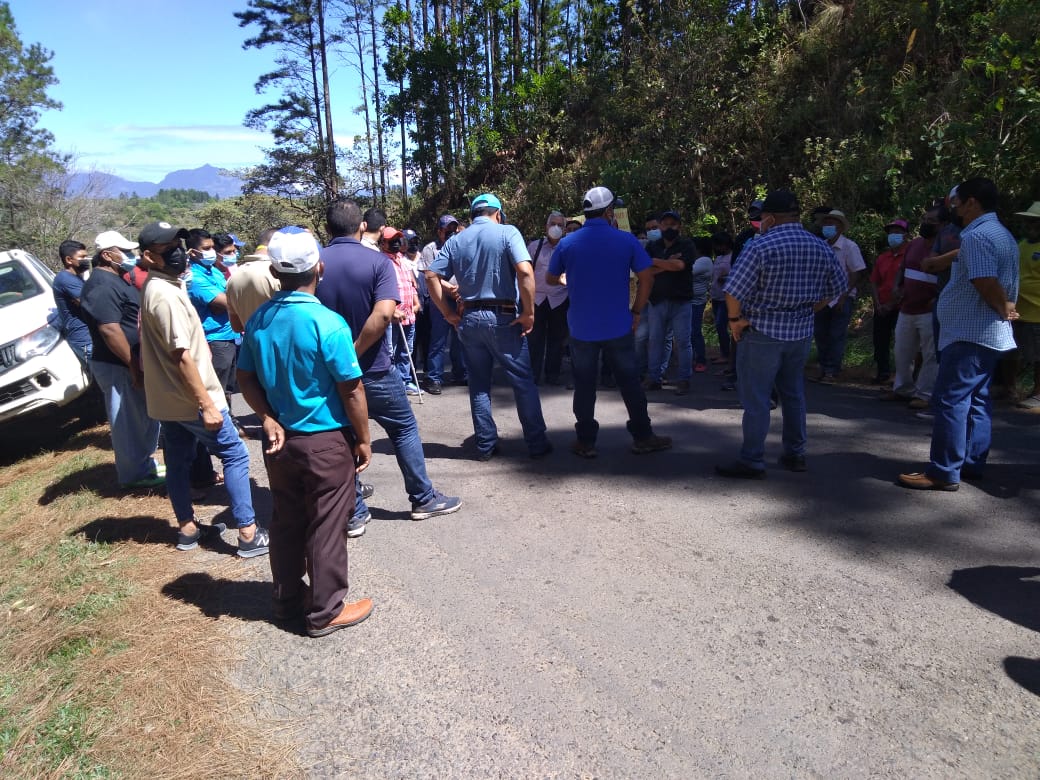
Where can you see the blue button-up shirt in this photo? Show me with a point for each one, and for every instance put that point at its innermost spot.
(207, 282)
(781, 276)
(482, 258)
(987, 250)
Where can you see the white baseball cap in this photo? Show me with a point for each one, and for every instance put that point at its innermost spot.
(113, 238)
(597, 198)
(293, 250)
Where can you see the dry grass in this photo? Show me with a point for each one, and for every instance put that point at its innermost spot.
(101, 674)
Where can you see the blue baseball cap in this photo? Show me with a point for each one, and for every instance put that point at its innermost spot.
(236, 240)
(486, 201)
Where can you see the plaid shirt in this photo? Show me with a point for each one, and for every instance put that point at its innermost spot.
(406, 287)
(987, 250)
(781, 276)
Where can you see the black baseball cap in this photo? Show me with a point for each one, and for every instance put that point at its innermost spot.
(160, 233)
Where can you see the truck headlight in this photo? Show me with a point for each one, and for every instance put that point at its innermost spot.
(39, 342)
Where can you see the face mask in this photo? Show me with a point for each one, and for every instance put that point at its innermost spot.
(829, 231)
(209, 257)
(413, 246)
(653, 235)
(128, 263)
(175, 260)
(670, 234)
(83, 265)
(186, 277)
(395, 245)
(895, 239)
(229, 259)
(555, 232)
(928, 230)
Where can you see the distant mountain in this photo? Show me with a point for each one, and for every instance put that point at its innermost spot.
(206, 178)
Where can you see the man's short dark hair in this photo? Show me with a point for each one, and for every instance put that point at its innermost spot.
(375, 220)
(983, 190)
(296, 281)
(69, 248)
(222, 241)
(596, 213)
(265, 237)
(196, 236)
(343, 217)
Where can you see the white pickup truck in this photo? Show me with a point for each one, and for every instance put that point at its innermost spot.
(38, 368)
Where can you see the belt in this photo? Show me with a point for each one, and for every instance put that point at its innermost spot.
(504, 307)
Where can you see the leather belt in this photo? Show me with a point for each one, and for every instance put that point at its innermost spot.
(504, 307)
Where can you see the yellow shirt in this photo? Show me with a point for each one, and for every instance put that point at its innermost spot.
(1028, 305)
(168, 323)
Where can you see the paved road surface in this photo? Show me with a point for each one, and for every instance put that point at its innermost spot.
(639, 617)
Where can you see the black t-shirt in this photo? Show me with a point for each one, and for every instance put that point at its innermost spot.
(673, 285)
(107, 298)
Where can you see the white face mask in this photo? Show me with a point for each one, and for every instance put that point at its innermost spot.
(555, 232)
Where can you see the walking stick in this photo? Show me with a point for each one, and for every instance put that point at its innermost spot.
(411, 365)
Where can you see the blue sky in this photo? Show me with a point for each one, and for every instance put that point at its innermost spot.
(153, 86)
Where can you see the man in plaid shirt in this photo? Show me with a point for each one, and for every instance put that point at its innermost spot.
(784, 276)
(975, 311)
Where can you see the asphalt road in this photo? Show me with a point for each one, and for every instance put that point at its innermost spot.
(639, 617)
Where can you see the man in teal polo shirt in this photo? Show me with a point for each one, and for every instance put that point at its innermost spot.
(300, 374)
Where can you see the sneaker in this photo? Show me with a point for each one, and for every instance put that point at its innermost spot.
(350, 615)
(153, 481)
(203, 533)
(259, 545)
(682, 388)
(434, 388)
(651, 444)
(367, 491)
(357, 524)
(411, 389)
(740, 470)
(439, 505)
(583, 450)
(700, 368)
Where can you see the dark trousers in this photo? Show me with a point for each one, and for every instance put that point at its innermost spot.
(312, 491)
(546, 339)
(225, 357)
(620, 355)
(884, 327)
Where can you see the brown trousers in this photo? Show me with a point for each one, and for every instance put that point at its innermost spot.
(312, 487)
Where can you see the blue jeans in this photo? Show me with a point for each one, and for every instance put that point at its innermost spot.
(700, 354)
(487, 337)
(135, 435)
(674, 316)
(620, 355)
(403, 346)
(181, 438)
(831, 329)
(764, 362)
(389, 406)
(962, 428)
(718, 308)
(444, 338)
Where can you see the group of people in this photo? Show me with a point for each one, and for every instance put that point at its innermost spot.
(324, 341)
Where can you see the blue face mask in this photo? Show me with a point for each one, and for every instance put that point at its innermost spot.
(653, 235)
(229, 259)
(209, 257)
(128, 263)
(829, 231)
(895, 239)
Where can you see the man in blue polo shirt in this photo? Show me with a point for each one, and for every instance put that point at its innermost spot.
(975, 311)
(597, 261)
(490, 261)
(208, 293)
(783, 277)
(361, 286)
(299, 373)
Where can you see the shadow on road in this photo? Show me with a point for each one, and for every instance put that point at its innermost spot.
(1025, 672)
(1007, 591)
(216, 598)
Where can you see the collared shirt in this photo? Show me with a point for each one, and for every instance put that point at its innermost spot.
(109, 299)
(988, 250)
(541, 252)
(250, 288)
(68, 289)
(483, 259)
(299, 350)
(207, 282)
(781, 276)
(1028, 305)
(598, 260)
(406, 289)
(170, 323)
(847, 251)
(356, 278)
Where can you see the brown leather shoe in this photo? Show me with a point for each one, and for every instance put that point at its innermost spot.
(350, 615)
(918, 480)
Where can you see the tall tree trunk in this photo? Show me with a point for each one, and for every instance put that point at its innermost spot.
(378, 101)
(312, 57)
(356, 19)
(330, 139)
(517, 48)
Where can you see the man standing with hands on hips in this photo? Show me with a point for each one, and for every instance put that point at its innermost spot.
(490, 261)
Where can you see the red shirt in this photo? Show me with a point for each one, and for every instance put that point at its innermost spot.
(886, 268)
(920, 289)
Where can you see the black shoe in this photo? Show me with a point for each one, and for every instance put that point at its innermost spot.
(542, 453)
(485, 455)
(793, 462)
(740, 470)
(367, 491)
(434, 388)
